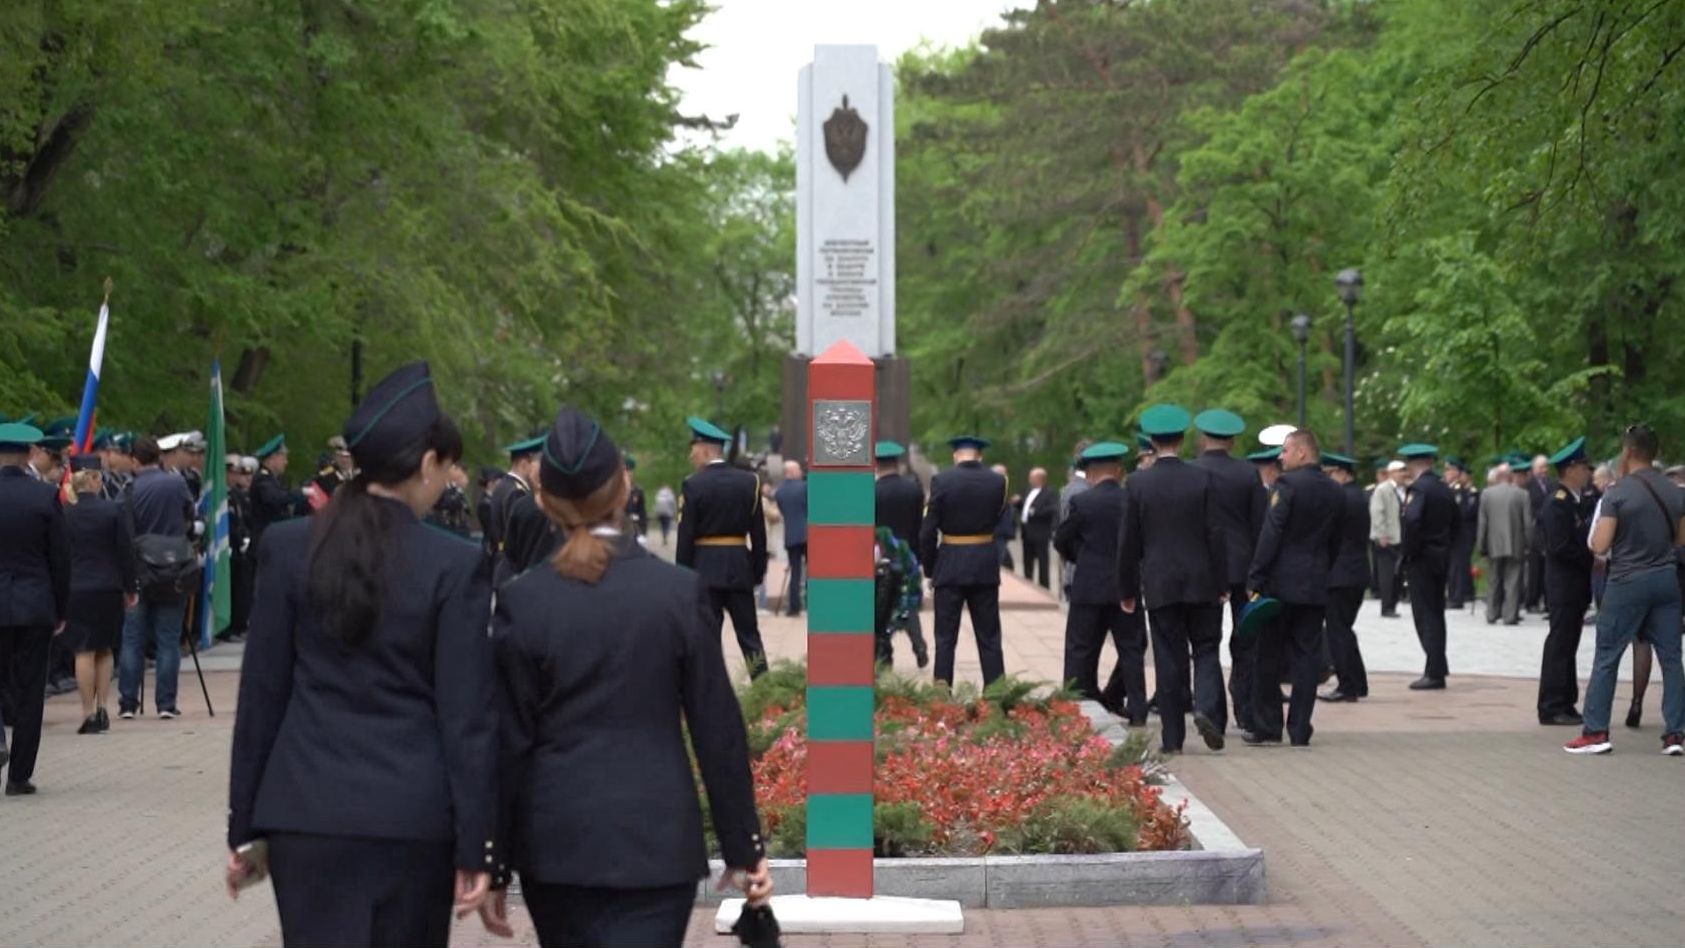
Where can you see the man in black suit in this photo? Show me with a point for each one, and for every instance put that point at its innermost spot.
(1300, 542)
(1239, 514)
(967, 503)
(1006, 525)
(1459, 589)
(1088, 538)
(1540, 489)
(1566, 524)
(1346, 583)
(1172, 551)
(1036, 513)
(1430, 521)
(272, 502)
(722, 536)
(900, 508)
(35, 573)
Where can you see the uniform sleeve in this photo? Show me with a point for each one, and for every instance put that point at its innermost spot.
(928, 531)
(1129, 546)
(124, 539)
(1482, 527)
(58, 560)
(266, 685)
(464, 689)
(1337, 532)
(685, 553)
(1216, 540)
(1269, 541)
(1258, 509)
(518, 695)
(1067, 535)
(757, 537)
(719, 739)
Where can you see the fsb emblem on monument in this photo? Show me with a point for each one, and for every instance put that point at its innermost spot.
(845, 139)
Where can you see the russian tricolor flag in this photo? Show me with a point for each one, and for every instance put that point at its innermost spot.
(90, 390)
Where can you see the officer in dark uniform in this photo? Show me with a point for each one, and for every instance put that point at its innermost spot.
(1241, 499)
(333, 468)
(1431, 522)
(1566, 523)
(1347, 581)
(637, 508)
(1296, 552)
(900, 508)
(607, 660)
(115, 464)
(241, 564)
(1460, 589)
(1088, 537)
(966, 504)
(505, 494)
(1172, 551)
(35, 574)
(722, 535)
(272, 502)
(365, 748)
(489, 476)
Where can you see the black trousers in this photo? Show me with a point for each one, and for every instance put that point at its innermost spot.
(574, 916)
(338, 890)
(1185, 634)
(1341, 619)
(1559, 684)
(798, 559)
(740, 605)
(1427, 608)
(1086, 628)
(1292, 644)
(1037, 560)
(1388, 576)
(1243, 677)
(1459, 586)
(1534, 595)
(23, 663)
(242, 578)
(984, 604)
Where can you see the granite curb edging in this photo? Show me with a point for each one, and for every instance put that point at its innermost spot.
(1219, 870)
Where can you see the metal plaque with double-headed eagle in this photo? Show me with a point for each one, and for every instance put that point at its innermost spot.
(842, 433)
(845, 139)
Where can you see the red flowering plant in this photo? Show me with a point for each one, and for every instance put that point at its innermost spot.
(1015, 769)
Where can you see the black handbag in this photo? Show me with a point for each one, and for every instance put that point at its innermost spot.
(164, 562)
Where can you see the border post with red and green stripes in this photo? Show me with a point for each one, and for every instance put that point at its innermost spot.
(842, 412)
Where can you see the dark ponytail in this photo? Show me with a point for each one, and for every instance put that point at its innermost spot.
(355, 537)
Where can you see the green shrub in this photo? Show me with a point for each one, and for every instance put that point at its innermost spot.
(788, 839)
(783, 686)
(1070, 825)
(900, 829)
(1139, 749)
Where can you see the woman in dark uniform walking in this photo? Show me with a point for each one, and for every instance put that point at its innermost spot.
(102, 584)
(606, 655)
(365, 746)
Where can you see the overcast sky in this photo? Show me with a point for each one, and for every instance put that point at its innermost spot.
(757, 47)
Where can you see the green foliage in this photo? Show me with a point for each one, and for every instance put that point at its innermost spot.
(901, 829)
(783, 685)
(495, 188)
(1070, 825)
(788, 837)
(1140, 749)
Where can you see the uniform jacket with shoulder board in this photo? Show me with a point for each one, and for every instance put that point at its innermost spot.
(1303, 533)
(722, 501)
(1351, 567)
(1087, 537)
(967, 501)
(34, 552)
(1241, 501)
(1171, 547)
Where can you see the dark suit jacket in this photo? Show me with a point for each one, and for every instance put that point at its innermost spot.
(1431, 521)
(723, 501)
(1565, 522)
(597, 785)
(791, 497)
(34, 552)
(503, 494)
(966, 500)
(1039, 527)
(102, 547)
(1351, 567)
(1241, 499)
(900, 505)
(1088, 538)
(395, 738)
(1170, 546)
(1302, 536)
(529, 537)
(271, 503)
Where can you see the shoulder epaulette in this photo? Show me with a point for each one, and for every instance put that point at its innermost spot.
(1561, 493)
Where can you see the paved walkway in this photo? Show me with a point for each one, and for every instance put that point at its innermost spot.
(1440, 818)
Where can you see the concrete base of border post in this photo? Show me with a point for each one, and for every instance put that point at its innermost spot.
(879, 915)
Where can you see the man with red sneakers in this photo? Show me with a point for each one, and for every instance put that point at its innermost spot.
(1640, 526)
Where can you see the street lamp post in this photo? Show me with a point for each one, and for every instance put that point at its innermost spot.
(1301, 326)
(1160, 363)
(719, 396)
(1350, 284)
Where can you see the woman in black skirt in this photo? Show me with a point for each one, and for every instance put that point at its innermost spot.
(102, 584)
(606, 655)
(364, 751)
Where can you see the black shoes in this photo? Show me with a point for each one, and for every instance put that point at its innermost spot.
(1561, 719)
(1254, 739)
(1208, 731)
(1389, 615)
(1425, 683)
(1635, 714)
(90, 725)
(22, 788)
(921, 651)
(104, 719)
(1336, 696)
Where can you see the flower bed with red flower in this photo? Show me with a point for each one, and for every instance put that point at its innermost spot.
(1008, 772)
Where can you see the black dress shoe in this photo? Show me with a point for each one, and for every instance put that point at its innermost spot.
(1208, 731)
(1336, 695)
(22, 788)
(1425, 683)
(1254, 739)
(104, 719)
(90, 725)
(1561, 718)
